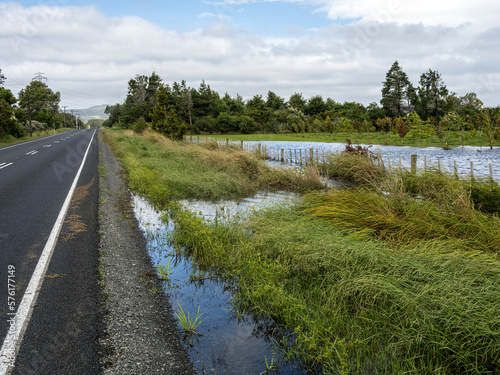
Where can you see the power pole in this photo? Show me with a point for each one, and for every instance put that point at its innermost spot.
(64, 106)
(29, 111)
(39, 77)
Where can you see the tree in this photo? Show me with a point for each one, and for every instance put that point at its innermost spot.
(115, 113)
(401, 127)
(419, 128)
(274, 101)
(38, 100)
(384, 124)
(432, 94)
(164, 118)
(297, 101)
(8, 124)
(2, 78)
(396, 90)
(315, 105)
(140, 98)
(183, 98)
(206, 102)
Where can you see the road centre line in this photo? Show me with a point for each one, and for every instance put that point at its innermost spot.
(14, 336)
(32, 152)
(25, 143)
(2, 166)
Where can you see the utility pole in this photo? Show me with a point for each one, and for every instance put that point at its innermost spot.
(29, 111)
(64, 106)
(54, 117)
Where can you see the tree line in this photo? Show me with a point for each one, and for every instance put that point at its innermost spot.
(35, 108)
(424, 110)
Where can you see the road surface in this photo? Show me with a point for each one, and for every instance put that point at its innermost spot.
(58, 330)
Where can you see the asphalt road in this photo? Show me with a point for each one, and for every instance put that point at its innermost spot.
(35, 178)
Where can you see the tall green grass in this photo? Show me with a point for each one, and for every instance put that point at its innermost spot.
(398, 276)
(163, 170)
(356, 306)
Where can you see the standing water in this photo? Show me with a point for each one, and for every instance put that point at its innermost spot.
(226, 343)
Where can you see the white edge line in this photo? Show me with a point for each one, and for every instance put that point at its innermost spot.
(25, 309)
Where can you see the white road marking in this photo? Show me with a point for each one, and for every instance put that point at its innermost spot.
(14, 336)
(25, 143)
(32, 152)
(5, 165)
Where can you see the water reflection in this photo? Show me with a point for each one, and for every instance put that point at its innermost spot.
(481, 157)
(226, 344)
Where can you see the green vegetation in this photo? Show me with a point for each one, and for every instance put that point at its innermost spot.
(188, 323)
(426, 115)
(449, 139)
(163, 170)
(36, 109)
(9, 139)
(399, 275)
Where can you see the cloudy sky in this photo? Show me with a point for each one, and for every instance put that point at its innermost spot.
(342, 49)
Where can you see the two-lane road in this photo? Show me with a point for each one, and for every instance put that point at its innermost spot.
(36, 180)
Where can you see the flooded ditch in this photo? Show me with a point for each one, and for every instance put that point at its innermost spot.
(226, 343)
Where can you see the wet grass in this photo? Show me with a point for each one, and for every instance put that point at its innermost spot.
(400, 275)
(163, 171)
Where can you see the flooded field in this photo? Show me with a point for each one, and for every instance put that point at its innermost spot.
(481, 157)
(226, 343)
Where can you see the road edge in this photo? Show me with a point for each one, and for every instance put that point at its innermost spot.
(141, 335)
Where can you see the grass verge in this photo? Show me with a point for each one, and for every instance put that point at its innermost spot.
(9, 140)
(399, 276)
(164, 171)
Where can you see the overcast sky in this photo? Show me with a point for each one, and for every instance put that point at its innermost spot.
(342, 49)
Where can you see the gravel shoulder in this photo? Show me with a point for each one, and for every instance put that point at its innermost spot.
(141, 334)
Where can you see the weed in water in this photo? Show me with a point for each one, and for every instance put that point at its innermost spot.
(165, 270)
(187, 323)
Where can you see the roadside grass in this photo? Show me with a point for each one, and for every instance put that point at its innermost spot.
(9, 140)
(451, 139)
(400, 275)
(352, 304)
(163, 170)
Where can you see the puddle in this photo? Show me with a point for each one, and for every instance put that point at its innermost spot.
(225, 344)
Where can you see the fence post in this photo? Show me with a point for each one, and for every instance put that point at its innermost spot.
(491, 172)
(282, 155)
(455, 168)
(311, 156)
(472, 170)
(439, 165)
(414, 164)
(389, 162)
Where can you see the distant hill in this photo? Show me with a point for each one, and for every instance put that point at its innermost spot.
(95, 112)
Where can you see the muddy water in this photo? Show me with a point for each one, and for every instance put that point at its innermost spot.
(226, 344)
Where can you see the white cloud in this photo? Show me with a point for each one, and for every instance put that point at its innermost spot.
(90, 57)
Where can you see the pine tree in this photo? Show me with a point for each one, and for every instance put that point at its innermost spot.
(396, 90)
